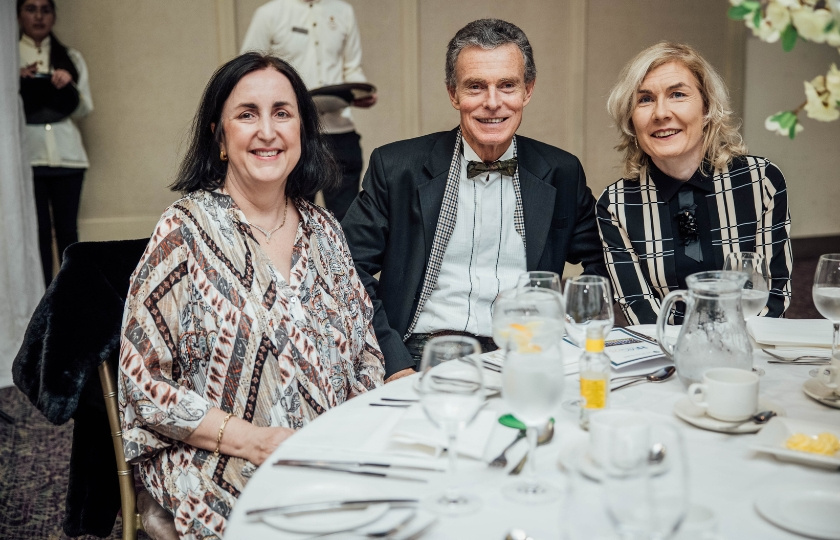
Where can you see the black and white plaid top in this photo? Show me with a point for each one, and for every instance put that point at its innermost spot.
(747, 211)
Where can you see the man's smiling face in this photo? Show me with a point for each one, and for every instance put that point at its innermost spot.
(490, 92)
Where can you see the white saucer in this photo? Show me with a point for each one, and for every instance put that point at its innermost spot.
(696, 416)
(774, 436)
(810, 511)
(816, 389)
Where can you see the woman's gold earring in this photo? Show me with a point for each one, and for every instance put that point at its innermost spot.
(222, 155)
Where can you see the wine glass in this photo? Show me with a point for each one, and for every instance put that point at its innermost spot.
(540, 280)
(826, 294)
(756, 289)
(588, 305)
(533, 375)
(589, 311)
(646, 479)
(451, 394)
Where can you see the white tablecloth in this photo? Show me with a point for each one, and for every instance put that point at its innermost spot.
(725, 474)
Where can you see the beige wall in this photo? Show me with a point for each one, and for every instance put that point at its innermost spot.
(150, 59)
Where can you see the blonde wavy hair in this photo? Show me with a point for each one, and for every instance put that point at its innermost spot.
(721, 139)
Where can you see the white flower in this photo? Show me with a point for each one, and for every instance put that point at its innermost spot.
(791, 4)
(833, 37)
(832, 84)
(778, 16)
(811, 24)
(817, 106)
(774, 123)
(765, 31)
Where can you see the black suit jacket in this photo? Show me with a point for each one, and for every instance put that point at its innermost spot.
(391, 224)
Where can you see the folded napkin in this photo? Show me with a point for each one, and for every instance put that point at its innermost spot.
(414, 434)
(790, 332)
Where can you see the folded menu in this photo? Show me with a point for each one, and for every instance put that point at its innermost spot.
(624, 347)
(790, 332)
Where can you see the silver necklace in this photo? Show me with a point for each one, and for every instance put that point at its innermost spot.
(277, 228)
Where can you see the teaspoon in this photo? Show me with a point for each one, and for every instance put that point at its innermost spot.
(657, 376)
(761, 417)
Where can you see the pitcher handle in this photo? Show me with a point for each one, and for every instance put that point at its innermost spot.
(662, 319)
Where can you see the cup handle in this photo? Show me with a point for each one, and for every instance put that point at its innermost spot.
(662, 320)
(825, 376)
(697, 394)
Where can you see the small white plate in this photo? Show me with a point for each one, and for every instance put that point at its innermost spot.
(816, 389)
(811, 511)
(696, 416)
(327, 521)
(774, 435)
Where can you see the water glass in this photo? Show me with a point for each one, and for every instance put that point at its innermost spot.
(646, 479)
(451, 392)
(757, 287)
(826, 294)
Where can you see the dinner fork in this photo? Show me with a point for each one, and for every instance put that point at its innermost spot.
(796, 359)
(500, 461)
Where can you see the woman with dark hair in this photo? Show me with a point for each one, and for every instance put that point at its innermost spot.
(245, 319)
(691, 194)
(54, 143)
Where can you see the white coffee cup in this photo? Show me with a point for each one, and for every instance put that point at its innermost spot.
(603, 427)
(830, 375)
(728, 394)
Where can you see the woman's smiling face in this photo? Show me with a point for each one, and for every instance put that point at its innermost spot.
(261, 129)
(668, 117)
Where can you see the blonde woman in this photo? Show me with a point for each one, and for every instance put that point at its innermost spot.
(690, 194)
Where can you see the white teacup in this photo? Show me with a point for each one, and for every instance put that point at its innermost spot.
(830, 375)
(603, 427)
(728, 394)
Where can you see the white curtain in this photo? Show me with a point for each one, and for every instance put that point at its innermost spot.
(21, 281)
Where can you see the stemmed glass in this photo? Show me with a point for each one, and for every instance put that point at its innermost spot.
(540, 280)
(588, 305)
(451, 393)
(533, 374)
(646, 479)
(589, 311)
(756, 289)
(826, 294)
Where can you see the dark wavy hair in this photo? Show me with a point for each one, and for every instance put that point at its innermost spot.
(59, 57)
(202, 167)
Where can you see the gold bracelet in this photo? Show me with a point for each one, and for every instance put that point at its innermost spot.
(221, 432)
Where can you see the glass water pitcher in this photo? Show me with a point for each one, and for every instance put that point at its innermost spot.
(713, 333)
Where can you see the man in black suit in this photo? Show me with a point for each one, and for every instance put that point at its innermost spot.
(450, 219)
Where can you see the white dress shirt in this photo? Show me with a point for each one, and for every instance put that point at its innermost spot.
(58, 144)
(320, 39)
(485, 254)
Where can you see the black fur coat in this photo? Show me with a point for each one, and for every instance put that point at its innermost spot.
(74, 328)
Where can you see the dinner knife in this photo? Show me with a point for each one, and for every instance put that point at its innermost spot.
(328, 505)
(331, 463)
(355, 471)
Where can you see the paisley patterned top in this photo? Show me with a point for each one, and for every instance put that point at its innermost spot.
(209, 322)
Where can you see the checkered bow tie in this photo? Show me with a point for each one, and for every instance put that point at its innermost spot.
(506, 166)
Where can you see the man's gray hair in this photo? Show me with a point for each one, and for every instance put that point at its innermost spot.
(489, 34)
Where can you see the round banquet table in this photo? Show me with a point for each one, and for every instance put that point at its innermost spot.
(725, 474)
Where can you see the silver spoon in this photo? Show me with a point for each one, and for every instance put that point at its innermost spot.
(544, 437)
(761, 417)
(657, 376)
